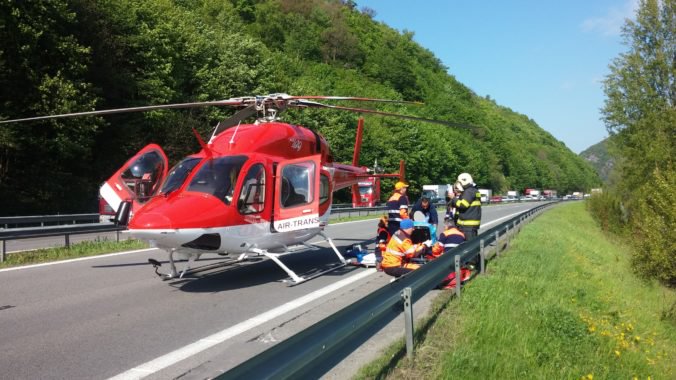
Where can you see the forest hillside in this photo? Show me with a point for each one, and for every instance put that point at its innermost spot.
(61, 56)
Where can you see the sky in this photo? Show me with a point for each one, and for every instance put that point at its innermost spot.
(544, 59)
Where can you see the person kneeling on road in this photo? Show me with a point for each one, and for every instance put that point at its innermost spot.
(450, 238)
(400, 250)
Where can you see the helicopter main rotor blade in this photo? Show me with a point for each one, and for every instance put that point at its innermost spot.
(227, 102)
(311, 104)
(234, 119)
(354, 99)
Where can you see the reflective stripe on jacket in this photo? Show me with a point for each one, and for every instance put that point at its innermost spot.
(394, 205)
(452, 237)
(399, 250)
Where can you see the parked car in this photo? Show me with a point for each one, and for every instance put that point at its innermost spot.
(496, 199)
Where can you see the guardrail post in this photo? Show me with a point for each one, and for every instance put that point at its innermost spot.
(458, 277)
(117, 235)
(2, 252)
(67, 240)
(408, 316)
(482, 256)
(497, 243)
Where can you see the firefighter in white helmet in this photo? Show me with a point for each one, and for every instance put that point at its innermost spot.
(468, 206)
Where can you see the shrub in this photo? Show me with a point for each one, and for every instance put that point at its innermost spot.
(652, 226)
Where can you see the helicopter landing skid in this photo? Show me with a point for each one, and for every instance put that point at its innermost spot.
(173, 274)
(295, 279)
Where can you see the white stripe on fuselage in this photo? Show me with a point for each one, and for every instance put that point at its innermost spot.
(234, 239)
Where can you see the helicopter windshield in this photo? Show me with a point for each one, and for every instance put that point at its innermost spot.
(178, 174)
(364, 190)
(218, 176)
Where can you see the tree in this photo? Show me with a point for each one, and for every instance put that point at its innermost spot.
(640, 114)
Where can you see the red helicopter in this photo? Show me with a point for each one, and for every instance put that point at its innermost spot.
(253, 189)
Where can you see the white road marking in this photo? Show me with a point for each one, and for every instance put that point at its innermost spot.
(503, 218)
(192, 349)
(74, 260)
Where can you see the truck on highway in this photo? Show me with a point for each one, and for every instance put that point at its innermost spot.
(486, 195)
(549, 194)
(512, 196)
(435, 193)
(367, 194)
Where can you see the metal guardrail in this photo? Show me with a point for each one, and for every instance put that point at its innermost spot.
(315, 350)
(50, 231)
(42, 220)
(363, 211)
(357, 211)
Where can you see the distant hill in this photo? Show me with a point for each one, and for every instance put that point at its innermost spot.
(598, 157)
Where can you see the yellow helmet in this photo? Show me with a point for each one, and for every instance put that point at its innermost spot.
(400, 185)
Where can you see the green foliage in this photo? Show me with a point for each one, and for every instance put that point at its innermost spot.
(609, 212)
(653, 229)
(82, 249)
(40, 163)
(75, 55)
(640, 114)
(560, 304)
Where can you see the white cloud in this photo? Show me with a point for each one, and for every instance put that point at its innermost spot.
(611, 23)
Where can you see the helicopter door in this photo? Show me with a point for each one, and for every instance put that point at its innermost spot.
(138, 179)
(297, 194)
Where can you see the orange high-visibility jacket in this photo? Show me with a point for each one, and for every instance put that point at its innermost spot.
(399, 250)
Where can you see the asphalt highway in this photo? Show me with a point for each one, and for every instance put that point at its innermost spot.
(111, 316)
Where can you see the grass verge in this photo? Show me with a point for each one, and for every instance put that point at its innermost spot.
(561, 304)
(82, 249)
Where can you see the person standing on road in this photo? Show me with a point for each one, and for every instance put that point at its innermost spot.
(394, 204)
(468, 206)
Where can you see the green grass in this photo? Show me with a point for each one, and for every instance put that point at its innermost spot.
(562, 303)
(82, 249)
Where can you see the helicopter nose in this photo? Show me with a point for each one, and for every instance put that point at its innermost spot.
(150, 220)
(188, 210)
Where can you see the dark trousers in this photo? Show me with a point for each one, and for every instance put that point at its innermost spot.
(397, 271)
(392, 226)
(470, 232)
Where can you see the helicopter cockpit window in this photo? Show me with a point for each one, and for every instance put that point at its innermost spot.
(178, 174)
(252, 195)
(218, 176)
(142, 177)
(323, 188)
(297, 181)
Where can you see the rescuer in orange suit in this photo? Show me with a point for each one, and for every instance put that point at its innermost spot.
(400, 250)
(394, 204)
